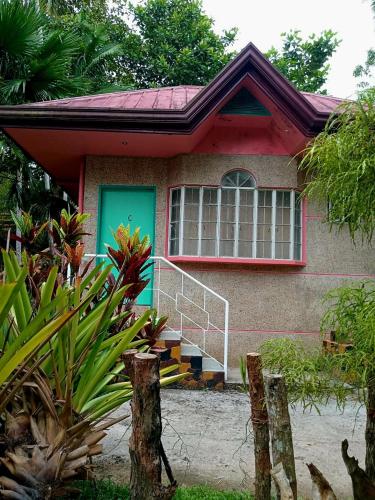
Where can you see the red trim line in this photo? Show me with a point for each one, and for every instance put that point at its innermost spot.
(255, 330)
(238, 260)
(251, 271)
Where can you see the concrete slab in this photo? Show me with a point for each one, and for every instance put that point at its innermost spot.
(170, 335)
(211, 365)
(208, 440)
(190, 350)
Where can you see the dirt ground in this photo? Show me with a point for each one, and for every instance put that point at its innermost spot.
(206, 437)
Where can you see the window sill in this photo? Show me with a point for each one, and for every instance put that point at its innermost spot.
(232, 260)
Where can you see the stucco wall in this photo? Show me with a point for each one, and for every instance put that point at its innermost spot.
(264, 301)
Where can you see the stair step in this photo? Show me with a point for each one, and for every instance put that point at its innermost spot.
(170, 335)
(190, 350)
(211, 365)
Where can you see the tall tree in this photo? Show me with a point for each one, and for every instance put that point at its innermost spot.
(305, 62)
(173, 43)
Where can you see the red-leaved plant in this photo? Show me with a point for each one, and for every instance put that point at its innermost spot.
(132, 258)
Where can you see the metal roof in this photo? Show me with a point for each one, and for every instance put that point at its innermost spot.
(163, 98)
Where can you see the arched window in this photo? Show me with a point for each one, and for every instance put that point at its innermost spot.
(238, 178)
(235, 220)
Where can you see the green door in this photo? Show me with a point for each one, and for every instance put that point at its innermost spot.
(127, 205)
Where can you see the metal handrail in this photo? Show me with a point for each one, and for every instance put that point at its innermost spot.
(204, 287)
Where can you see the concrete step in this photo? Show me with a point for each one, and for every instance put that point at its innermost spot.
(170, 335)
(190, 350)
(211, 365)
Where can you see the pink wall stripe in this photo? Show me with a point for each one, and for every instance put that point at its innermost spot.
(285, 273)
(252, 330)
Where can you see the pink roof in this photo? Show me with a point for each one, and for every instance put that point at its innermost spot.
(172, 98)
(325, 103)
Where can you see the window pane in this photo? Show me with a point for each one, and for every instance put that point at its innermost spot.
(226, 248)
(191, 221)
(190, 229)
(282, 250)
(192, 195)
(297, 228)
(282, 229)
(245, 247)
(209, 196)
(264, 225)
(174, 231)
(208, 230)
(208, 248)
(176, 196)
(173, 247)
(190, 247)
(227, 222)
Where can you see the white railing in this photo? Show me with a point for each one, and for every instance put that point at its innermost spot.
(193, 309)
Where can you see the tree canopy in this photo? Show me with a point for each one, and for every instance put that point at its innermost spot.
(174, 43)
(305, 62)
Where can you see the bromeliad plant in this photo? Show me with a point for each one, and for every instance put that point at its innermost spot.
(59, 377)
(153, 328)
(133, 256)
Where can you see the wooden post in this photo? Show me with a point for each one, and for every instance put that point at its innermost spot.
(145, 448)
(259, 419)
(282, 482)
(281, 432)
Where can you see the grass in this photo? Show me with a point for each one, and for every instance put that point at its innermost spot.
(107, 490)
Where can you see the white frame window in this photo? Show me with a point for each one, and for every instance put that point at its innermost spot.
(235, 220)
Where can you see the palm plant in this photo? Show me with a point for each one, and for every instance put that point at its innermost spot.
(59, 376)
(35, 62)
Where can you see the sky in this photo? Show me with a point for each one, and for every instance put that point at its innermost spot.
(263, 21)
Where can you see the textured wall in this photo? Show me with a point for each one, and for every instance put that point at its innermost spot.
(264, 301)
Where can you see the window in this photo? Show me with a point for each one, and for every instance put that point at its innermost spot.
(235, 220)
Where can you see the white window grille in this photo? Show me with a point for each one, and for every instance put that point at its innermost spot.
(235, 220)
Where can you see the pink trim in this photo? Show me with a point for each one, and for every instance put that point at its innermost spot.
(301, 273)
(280, 188)
(315, 217)
(237, 260)
(247, 330)
(167, 218)
(81, 186)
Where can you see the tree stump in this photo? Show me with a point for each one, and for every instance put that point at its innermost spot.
(259, 419)
(145, 448)
(281, 432)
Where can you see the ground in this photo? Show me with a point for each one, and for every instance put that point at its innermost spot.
(206, 440)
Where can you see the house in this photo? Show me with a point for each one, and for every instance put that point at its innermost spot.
(210, 174)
